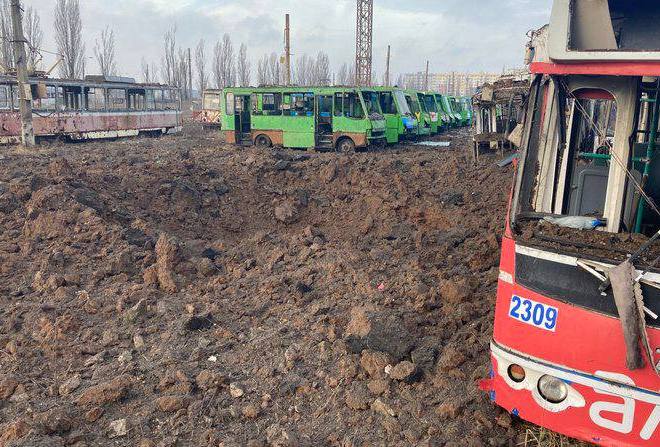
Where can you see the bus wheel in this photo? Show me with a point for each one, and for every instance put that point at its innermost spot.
(346, 146)
(263, 142)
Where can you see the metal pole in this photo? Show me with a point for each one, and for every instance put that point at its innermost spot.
(387, 70)
(287, 51)
(650, 150)
(190, 82)
(426, 77)
(24, 90)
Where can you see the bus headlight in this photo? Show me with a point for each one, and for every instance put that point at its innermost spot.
(552, 389)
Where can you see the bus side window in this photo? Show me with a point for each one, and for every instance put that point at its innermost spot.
(339, 108)
(230, 106)
(254, 100)
(387, 103)
(271, 103)
(5, 100)
(286, 104)
(353, 106)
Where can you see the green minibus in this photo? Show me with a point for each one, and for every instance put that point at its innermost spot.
(335, 118)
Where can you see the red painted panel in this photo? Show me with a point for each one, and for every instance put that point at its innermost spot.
(634, 68)
(578, 422)
(75, 123)
(590, 93)
(584, 340)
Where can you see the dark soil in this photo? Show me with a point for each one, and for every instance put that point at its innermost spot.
(184, 292)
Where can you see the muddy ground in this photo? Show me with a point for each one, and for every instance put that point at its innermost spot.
(183, 292)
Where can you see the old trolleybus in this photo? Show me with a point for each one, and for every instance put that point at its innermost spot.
(96, 107)
(569, 352)
(303, 117)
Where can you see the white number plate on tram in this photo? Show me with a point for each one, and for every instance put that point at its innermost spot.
(535, 314)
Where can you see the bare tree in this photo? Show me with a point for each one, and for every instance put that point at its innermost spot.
(305, 68)
(200, 66)
(34, 35)
(274, 71)
(227, 62)
(168, 63)
(182, 74)
(68, 35)
(243, 67)
(217, 65)
(147, 74)
(223, 63)
(322, 70)
(104, 52)
(6, 51)
(342, 75)
(262, 71)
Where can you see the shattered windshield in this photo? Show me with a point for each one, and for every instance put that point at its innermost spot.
(402, 102)
(429, 101)
(372, 104)
(412, 103)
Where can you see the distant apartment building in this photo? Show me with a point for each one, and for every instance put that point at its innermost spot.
(451, 83)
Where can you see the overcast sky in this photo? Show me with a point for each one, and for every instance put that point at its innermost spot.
(462, 35)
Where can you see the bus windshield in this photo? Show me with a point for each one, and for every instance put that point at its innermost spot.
(371, 103)
(412, 103)
(429, 102)
(402, 102)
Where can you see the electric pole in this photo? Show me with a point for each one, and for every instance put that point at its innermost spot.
(190, 82)
(287, 52)
(364, 42)
(24, 89)
(426, 77)
(387, 68)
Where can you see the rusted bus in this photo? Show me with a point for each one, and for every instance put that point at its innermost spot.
(209, 116)
(93, 108)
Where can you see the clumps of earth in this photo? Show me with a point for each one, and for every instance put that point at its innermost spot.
(184, 292)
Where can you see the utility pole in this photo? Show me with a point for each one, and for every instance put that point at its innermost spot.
(387, 68)
(287, 51)
(364, 42)
(426, 77)
(24, 89)
(190, 83)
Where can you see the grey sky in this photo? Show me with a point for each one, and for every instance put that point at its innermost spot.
(470, 35)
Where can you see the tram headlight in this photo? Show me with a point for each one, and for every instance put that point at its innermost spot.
(552, 389)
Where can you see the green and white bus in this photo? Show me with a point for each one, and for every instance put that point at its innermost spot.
(419, 110)
(457, 110)
(401, 124)
(334, 118)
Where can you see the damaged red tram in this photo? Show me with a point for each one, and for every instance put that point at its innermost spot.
(576, 343)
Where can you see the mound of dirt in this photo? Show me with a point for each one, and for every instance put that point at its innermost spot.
(183, 292)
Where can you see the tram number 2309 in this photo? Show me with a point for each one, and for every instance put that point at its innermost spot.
(535, 314)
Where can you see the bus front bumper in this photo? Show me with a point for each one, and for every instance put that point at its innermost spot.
(602, 408)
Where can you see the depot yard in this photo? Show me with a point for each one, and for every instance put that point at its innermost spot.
(181, 291)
